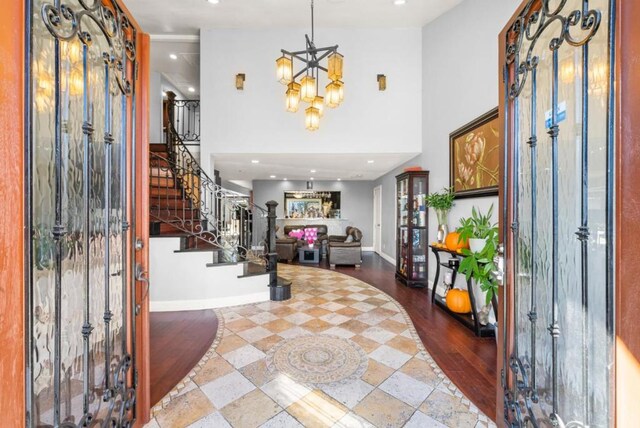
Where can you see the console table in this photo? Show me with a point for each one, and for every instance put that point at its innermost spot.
(309, 255)
(469, 320)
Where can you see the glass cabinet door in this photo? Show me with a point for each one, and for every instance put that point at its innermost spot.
(419, 206)
(403, 202)
(403, 250)
(418, 255)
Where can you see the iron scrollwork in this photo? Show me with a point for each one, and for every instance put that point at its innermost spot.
(531, 24)
(67, 24)
(576, 28)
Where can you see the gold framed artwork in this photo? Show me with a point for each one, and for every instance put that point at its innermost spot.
(474, 156)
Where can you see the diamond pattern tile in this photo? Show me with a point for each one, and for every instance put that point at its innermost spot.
(237, 383)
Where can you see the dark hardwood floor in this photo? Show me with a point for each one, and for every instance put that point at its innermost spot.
(179, 339)
(469, 361)
(178, 342)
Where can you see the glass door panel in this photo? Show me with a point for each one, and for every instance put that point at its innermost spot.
(403, 250)
(561, 351)
(419, 254)
(419, 201)
(403, 202)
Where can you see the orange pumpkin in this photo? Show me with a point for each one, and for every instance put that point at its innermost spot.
(454, 243)
(458, 301)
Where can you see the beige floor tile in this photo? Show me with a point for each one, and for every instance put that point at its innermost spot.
(214, 368)
(375, 301)
(185, 410)
(230, 343)
(372, 292)
(316, 301)
(247, 311)
(317, 409)
(382, 312)
(421, 370)
(317, 312)
(394, 326)
(367, 344)
(316, 325)
(354, 326)
(376, 373)
(345, 301)
(240, 325)
(251, 410)
(448, 409)
(283, 311)
(257, 373)
(268, 342)
(278, 325)
(349, 312)
(408, 346)
(382, 410)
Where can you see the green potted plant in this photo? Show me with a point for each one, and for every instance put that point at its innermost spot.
(478, 263)
(441, 202)
(476, 229)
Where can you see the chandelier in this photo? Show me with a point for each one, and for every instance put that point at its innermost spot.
(307, 90)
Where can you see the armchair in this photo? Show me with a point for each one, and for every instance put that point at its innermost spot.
(342, 252)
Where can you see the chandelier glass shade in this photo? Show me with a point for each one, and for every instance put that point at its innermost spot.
(312, 59)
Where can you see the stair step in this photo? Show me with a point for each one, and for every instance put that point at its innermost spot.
(162, 182)
(155, 162)
(156, 148)
(170, 203)
(169, 228)
(166, 192)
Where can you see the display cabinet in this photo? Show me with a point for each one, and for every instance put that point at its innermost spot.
(413, 228)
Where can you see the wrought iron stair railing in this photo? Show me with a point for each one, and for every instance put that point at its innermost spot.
(207, 216)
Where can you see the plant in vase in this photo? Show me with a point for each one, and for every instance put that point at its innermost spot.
(478, 261)
(441, 202)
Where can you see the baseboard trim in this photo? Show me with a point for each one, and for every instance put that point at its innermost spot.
(387, 258)
(196, 305)
(367, 249)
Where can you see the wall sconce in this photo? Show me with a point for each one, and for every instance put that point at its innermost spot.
(382, 82)
(240, 81)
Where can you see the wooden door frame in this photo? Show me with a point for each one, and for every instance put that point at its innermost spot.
(12, 216)
(379, 210)
(14, 212)
(626, 389)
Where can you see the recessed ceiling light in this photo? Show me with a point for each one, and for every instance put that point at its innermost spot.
(191, 89)
(272, 176)
(339, 179)
(312, 171)
(311, 179)
(255, 161)
(399, 2)
(214, 1)
(284, 179)
(173, 56)
(370, 161)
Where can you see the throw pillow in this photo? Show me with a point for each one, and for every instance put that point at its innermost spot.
(280, 234)
(349, 239)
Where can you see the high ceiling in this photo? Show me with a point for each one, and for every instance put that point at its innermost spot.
(188, 16)
(296, 166)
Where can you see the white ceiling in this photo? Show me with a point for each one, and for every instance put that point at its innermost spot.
(183, 72)
(298, 166)
(188, 16)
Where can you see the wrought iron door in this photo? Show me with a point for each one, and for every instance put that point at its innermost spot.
(81, 184)
(558, 214)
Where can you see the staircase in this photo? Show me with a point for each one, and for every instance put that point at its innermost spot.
(222, 226)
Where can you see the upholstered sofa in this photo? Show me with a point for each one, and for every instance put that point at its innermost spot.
(287, 247)
(346, 249)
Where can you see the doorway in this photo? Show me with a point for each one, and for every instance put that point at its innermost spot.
(377, 219)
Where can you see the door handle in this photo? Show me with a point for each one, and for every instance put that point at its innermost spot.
(498, 261)
(141, 276)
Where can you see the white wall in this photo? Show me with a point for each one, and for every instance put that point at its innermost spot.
(155, 108)
(356, 200)
(460, 83)
(182, 281)
(255, 121)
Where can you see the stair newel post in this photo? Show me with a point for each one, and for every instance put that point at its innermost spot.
(280, 289)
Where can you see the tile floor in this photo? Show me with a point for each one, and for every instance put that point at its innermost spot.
(234, 385)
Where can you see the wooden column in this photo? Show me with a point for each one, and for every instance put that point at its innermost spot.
(627, 263)
(12, 216)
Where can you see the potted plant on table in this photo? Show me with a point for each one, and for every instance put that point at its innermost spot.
(441, 202)
(483, 240)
